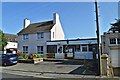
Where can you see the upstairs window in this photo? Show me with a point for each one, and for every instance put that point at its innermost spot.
(25, 37)
(40, 35)
(113, 41)
(53, 34)
(40, 49)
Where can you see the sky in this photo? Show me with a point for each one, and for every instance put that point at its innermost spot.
(77, 18)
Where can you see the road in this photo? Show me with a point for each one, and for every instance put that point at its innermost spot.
(7, 76)
(47, 70)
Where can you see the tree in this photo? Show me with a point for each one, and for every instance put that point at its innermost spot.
(115, 26)
(3, 40)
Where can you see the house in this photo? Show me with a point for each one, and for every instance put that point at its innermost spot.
(111, 46)
(74, 48)
(33, 37)
(11, 46)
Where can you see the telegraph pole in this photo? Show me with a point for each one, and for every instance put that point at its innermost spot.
(98, 38)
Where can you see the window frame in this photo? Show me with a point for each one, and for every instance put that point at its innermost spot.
(25, 49)
(112, 41)
(40, 49)
(25, 36)
(118, 40)
(40, 35)
(85, 46)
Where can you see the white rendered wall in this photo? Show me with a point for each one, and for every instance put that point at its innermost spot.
(11, 45)
(33, 42)
(57, 29)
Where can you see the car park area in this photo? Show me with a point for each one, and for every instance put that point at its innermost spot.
(52, 68)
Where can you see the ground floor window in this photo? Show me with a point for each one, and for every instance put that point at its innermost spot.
(84, 48)
(60, 50)
(51, 48)
(92, 47)
(25, 49)
(40, 49)
(118, 41)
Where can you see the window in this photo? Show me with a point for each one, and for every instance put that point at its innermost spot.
(40, 35)
(90, 47)
(25, 37)
(118, 41)
(53, 34)
(25, 49)
(60, 50)
(51, 48)
(77, 48)
(84, 48)
(113, 41)
(40, 49)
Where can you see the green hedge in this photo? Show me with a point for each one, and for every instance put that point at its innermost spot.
(32, 56)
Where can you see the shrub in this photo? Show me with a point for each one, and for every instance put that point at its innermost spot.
(25, 56)
(31, 56)
(38, 55)
(19, 53)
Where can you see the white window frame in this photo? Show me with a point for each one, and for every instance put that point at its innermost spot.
(25, 36)
(84, 47)
(40, 49)
(111, 41)
(40, 35)
(25, 49)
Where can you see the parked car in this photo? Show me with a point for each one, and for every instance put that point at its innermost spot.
(8, 59)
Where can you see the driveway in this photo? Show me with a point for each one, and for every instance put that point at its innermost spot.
(56, 69)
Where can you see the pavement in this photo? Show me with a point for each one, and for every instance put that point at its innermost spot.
(53, 69)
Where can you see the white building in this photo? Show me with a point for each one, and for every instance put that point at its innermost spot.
(32, 38)
(111, 46)
(74, 49)
(11, 46)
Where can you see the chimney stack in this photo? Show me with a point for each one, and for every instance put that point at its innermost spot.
(55, 17)
(26, 22)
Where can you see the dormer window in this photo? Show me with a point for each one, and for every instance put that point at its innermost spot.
(40, 35)
(25, 37)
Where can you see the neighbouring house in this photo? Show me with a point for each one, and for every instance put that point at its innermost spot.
(33, 37)
(111, 46)
(74, 48)
(11, 46)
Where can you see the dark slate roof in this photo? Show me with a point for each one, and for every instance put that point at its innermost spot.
(37, 27)
(10, 37)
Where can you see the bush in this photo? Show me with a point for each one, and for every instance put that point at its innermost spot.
(38, 55)
(19, 54)
(32, 56)
(25, 56)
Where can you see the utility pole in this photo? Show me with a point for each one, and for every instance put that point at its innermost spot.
(98, 38)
